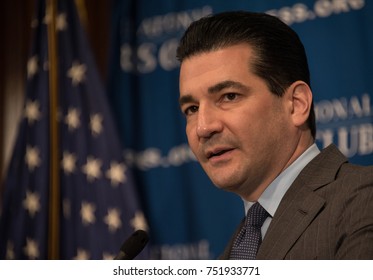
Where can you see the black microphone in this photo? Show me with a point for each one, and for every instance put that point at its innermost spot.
(133, 245)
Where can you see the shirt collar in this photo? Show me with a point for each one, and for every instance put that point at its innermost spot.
(273, 194)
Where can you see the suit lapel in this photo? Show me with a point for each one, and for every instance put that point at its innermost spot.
(293, 216)
(300, 205)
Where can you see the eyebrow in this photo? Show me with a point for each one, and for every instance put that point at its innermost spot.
(214, 89)
(186, 99)
(226, 84)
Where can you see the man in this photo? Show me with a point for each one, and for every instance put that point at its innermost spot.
(245, 92)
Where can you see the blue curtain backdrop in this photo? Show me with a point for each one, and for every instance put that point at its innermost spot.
(188, 217)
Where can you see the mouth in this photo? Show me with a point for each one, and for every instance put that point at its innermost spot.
(217, 152)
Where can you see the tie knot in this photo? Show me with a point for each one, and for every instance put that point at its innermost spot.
(256, 215)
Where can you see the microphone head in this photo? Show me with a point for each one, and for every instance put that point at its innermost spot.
(134, 245)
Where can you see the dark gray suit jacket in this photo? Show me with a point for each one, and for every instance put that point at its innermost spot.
(327, 213)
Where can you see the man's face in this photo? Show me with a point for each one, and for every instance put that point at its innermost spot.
(238, 130)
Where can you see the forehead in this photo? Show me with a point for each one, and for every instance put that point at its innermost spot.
(209, 68)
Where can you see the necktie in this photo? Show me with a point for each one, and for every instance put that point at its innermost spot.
(249, 238)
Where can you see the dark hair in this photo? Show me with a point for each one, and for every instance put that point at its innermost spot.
(280, 57)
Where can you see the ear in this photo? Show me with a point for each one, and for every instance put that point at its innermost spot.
(300, 95)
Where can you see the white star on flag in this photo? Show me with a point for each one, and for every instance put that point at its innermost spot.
(116, 173)
(96, 124)
(31, 249)
(107, 256)
(48, 16)
(77, 73)
(81, 255)
(68, 162)
(112, 219)
(139, 221)
(32, 112)
(61, 23)
(10, 255)
(32, 203)
(92, 168)
(32, 157)
(32, 66)
(72, 118)
(87, 213)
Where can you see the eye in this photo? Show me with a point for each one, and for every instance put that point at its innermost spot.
(230, 96)
(190, 110)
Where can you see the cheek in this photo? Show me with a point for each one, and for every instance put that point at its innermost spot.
(254, 128)
(191, 136)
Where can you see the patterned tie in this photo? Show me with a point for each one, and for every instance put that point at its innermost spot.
(249, 238)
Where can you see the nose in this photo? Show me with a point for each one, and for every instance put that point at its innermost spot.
(209, 122)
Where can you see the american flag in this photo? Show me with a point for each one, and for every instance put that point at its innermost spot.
(98, 204)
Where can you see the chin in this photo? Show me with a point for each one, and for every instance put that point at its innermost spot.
(224, 184)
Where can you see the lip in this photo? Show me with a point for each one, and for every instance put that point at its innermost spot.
(218, 153)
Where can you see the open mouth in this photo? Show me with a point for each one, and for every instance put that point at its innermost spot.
(218, 153)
